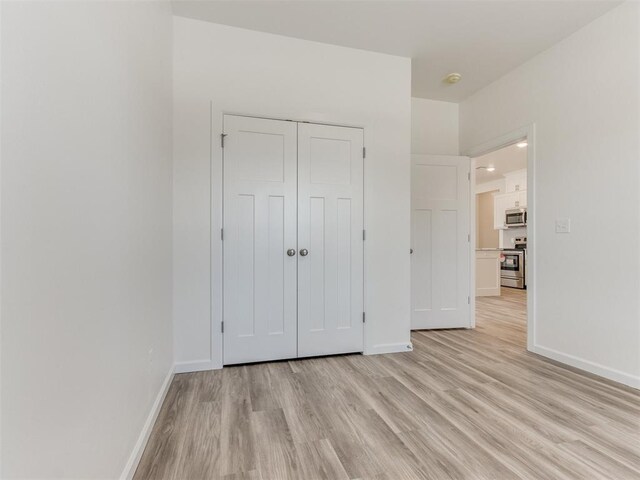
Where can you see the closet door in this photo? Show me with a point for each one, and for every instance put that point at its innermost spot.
(330, 240)
(259, 239)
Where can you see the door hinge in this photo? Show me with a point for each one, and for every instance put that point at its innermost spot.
(222, 135)
(469, 300)
(363, 318)
(468, 237)
(364, 152)
(222, 234)
(469, 176)
(222, 327)
(364, 235)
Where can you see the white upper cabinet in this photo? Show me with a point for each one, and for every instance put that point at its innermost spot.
(515, 197)
(522, 198)
(506, 201)
(501, 202)
(516, 181)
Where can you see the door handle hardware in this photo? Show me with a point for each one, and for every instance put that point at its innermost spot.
(291, 252)
(304, 252)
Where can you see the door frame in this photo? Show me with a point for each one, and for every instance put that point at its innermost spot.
(217, 278)
(527, 132)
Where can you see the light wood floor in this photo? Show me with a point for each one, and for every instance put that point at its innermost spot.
(465, 404)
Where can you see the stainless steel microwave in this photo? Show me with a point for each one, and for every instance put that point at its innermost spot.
(516, 217)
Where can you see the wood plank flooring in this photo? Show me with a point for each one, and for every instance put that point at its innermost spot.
(465, 404)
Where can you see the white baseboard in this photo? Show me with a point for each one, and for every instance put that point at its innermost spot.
(136, 454)
(588, 366)
(197, 366)
(389, 348)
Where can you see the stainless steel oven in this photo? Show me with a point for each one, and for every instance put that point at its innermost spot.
(516, 217)
(512, 266)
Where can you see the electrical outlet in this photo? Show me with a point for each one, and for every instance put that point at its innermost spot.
(563, 225)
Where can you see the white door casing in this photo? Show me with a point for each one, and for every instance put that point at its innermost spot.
(440, 236)
(330, 227)
(260, 181)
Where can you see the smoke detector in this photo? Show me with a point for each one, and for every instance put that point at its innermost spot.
(453, 78)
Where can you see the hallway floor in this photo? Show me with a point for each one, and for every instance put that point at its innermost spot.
(465, 404)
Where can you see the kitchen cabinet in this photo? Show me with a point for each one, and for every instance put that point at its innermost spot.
(515, 181)
(506, 201)
(500, 202)
(522, 199)
(487, 273)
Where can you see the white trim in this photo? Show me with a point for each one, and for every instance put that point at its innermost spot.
(196, 366)
(588, 366)
(500, 142)
(472, 243)
(132, 464)
(1, 241)
(389, 348)
(490, 186)
(528, 132)
(216, 246)
(515, 172)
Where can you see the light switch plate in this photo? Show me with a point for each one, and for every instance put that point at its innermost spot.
(563, 225)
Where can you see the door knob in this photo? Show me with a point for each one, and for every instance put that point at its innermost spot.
(410, 250)
(304, 252)
(291, 252)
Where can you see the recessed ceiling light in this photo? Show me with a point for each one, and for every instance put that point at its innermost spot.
(521, 144)
(453, 78)
(491, 169)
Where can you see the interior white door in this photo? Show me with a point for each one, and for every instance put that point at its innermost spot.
(330, 239)
(260, 181)
(440, 228)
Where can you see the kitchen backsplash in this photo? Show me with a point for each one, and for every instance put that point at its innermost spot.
(507, 237)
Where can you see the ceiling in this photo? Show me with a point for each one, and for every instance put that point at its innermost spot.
(505, 160)
(480, 39)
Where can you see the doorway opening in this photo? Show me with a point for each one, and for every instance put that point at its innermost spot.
(503, 233)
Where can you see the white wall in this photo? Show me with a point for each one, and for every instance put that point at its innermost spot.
(583, 96)
(499, 184)
(434, 127)
(507, 238)
(224, 69)
(486, 234)
(86, 232)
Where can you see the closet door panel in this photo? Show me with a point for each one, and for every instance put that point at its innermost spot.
(330, 226)
(260, 182)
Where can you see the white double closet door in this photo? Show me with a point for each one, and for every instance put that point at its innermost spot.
(293, 241)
